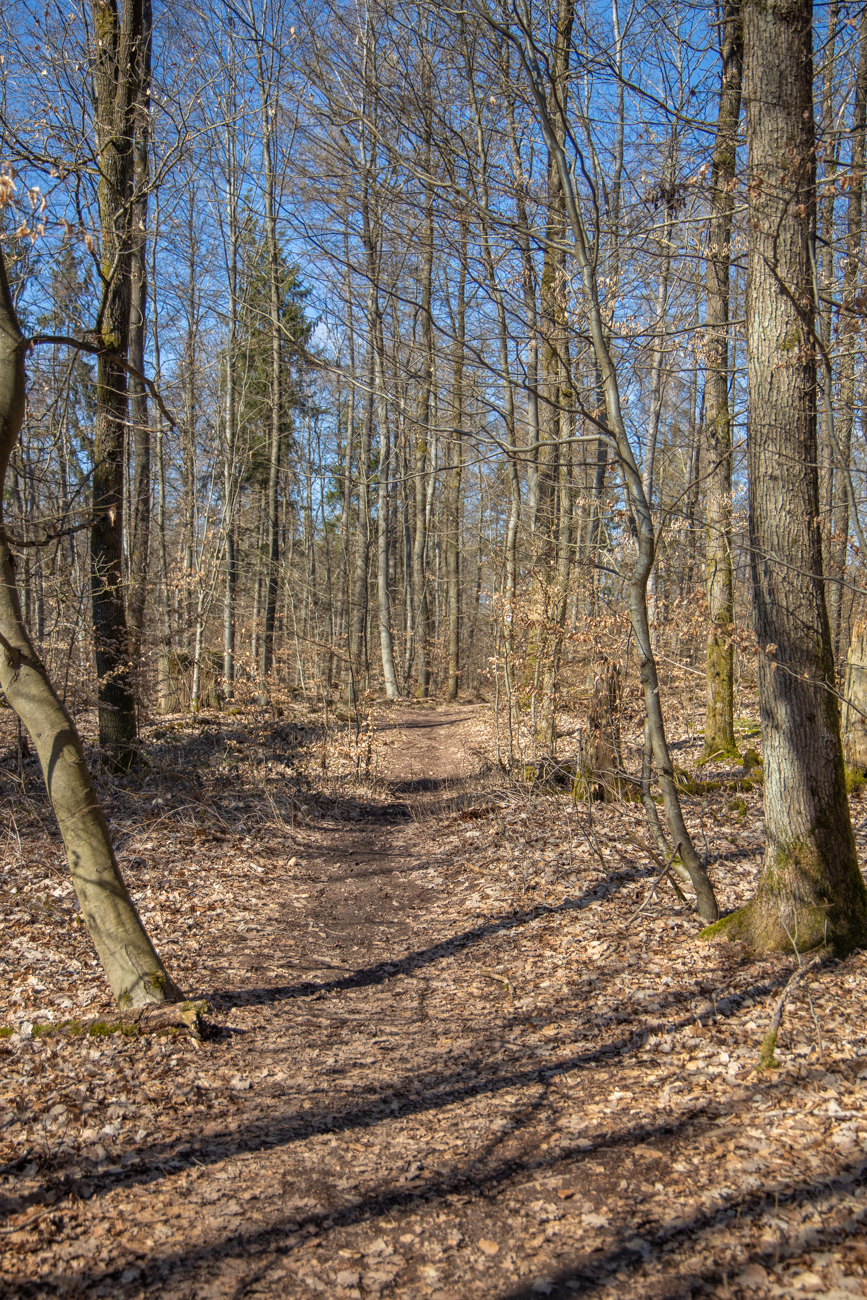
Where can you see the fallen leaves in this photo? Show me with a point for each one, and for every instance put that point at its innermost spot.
(488, 1099)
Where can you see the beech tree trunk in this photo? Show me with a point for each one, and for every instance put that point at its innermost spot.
(851, 342)
(719, 728)
(811, 890)
(134, 971)
(855, 701)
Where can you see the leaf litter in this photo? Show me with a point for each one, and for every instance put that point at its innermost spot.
(449, 1056)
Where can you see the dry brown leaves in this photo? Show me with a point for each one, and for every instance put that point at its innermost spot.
(451, 1059)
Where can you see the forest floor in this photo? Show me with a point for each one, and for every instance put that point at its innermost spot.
(449, 1060)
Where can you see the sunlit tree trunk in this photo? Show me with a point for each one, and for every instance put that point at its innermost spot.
(134, 971)
(851, 334)
(811, 890)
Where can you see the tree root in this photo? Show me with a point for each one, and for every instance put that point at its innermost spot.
(171, 1018)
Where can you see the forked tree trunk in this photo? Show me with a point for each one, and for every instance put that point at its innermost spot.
(719, 728)
(811, 890)
(134, 971)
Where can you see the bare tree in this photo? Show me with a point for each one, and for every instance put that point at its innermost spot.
(811, 890)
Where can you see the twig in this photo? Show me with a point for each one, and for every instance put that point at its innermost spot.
(651, 853)
(19, 1227)
(491, 975)
(767, 1060)
(96, 350)
(657, 882)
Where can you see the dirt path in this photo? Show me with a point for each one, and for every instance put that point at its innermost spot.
(385, 1113)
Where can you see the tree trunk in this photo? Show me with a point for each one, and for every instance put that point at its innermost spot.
(133, 969)
(850, 331)
(419, 549)
(828, 471)
(602, 762)
(811, 890)
(855, 696)
(453, 488)
(382, 532)
(117, 77)
(138, 402)
(230, 433)
(271, 591)
(719, 727)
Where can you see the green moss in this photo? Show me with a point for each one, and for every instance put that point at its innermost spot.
(720, 929)
(767, 1060)
(57, 1027)
(718, 752)
(101, 1029)
(155, 982)
(6, 1031)
(855, 780)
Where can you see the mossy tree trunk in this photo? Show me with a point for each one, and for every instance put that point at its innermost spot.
(134, 971)
(719, 733)
(811, 889)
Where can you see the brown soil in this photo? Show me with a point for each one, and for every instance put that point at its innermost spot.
(417, 1092)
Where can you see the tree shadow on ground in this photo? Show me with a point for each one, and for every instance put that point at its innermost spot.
(486, 1176)
(413, 962)
(416, 1094)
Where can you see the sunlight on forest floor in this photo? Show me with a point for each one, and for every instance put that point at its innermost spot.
(449, 1058)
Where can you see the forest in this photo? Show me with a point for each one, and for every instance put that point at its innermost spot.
(433, 649)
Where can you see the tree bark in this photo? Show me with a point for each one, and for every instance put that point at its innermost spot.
(117, 77)
(382, 530)
(419, 549)
(719, 727)
(811, 891)
(850, 330)
(854, 728)
(453, 487)
(274, 467)
(138, 400)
